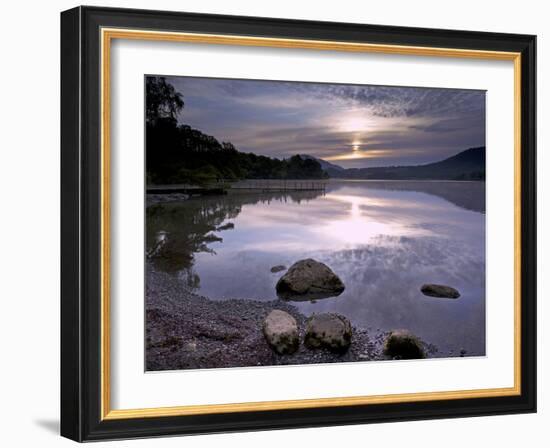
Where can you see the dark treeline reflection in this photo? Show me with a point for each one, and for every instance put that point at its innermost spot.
(176, 231)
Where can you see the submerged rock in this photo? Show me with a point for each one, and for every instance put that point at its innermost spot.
(328, 330)
(278, 268)
(402, 344)
(281, 332)
(309, 279)
(433, 290)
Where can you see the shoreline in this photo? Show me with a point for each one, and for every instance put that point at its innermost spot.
(466, 194)
(187, 331)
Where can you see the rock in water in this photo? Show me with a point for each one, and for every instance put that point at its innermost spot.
(328, 330)
(401, 344)
(307, 279)
(281, 332)
(433, 290)
(278, 268)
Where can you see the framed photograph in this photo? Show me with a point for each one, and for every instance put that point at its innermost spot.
(276, 224)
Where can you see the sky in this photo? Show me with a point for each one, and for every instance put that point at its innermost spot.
(353, 126)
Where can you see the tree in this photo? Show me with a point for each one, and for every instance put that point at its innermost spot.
(162, 100)
(181, 154)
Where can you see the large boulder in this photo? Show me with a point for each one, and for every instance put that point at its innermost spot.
(433, 290)
(402, 344)
(309, 279)
(281, 332)
(328, 330)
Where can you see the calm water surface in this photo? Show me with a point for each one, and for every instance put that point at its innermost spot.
(384, 240)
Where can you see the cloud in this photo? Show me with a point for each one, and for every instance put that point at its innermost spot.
(394, 125)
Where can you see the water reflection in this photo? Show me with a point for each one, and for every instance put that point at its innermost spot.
(177, 231)
(384, 240)
(467, 195)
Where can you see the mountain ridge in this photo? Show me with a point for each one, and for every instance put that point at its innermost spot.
(324, 164)
(465, 165)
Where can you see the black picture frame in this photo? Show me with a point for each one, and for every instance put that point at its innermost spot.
(81, 414)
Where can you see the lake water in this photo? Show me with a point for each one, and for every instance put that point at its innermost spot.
(384, 239)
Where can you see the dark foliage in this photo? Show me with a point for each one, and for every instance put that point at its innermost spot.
(181, 154)
(162, 100)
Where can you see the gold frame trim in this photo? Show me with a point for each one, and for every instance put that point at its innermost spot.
(107, 35)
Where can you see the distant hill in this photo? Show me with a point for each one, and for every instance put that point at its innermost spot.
(327, 166)
(466, 165)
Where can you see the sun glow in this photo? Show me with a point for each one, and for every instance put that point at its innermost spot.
(360, 154)
(354, 123)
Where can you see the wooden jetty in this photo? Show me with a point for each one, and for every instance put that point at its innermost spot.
(266, 185)
(222, 186)
(187, 189)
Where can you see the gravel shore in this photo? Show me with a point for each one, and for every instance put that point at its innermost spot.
(188, 331)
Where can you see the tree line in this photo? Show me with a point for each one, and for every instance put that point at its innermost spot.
(178, 153)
